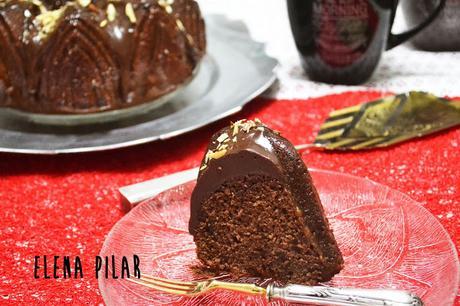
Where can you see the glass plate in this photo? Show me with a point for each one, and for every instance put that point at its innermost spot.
(387, 239)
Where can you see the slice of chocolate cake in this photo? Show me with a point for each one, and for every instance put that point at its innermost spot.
(255, 211)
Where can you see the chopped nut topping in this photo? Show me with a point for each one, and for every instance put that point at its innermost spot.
(221, 143)
(206, 157)
(235, 129)
(84, 3)
(222, 137)
(103, 23)
(217, 154)
(48, 21)
(129, 11)
(180, 25)
(111, 12)
(182, 28)
(166, 4)
(245, 125)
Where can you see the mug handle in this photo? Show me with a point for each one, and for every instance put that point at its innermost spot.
(396, 39)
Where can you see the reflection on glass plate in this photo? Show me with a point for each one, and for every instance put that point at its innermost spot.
(387, 239)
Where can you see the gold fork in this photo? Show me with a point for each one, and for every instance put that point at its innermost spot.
(317, 295)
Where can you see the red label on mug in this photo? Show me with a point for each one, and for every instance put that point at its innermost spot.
(345, 29)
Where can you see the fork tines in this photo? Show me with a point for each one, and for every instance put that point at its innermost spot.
(166, 285)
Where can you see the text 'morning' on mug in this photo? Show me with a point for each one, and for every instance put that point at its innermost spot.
(341, 41)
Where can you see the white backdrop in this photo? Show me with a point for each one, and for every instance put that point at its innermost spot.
(401, 69)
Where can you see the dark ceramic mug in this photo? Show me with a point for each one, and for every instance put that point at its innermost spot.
(444, 33)
(341, 41)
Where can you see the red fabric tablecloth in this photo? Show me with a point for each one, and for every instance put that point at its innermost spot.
(65, 205)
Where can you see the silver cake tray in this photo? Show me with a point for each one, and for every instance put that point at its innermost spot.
(235, 70)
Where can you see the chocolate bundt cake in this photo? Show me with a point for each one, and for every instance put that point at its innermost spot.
(88, 56)
(255, 211)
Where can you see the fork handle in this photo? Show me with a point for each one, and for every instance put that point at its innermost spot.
(318, 295)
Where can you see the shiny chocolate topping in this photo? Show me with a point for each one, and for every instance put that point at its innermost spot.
(245, 147)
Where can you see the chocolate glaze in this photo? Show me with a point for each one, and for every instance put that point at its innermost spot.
(251, 154)
(263, 151)
(83, 67)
